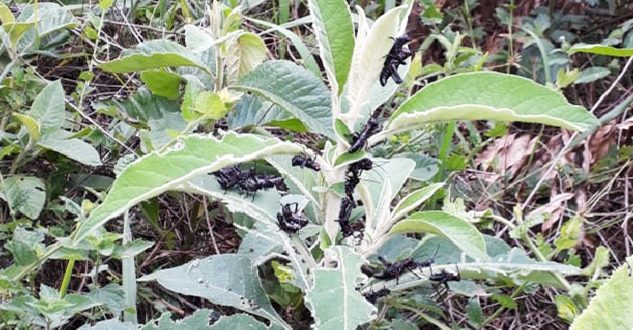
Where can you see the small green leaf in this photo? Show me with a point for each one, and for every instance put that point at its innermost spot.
(347, 158)
(504, 300)
(25, 194)
(60, 141)
(48, 108)
(567, 310)
(570, 234)
(245, 53)
(162, 83)
(413, 200)
(600, 50)
(600, 260)
(30, 124)
(592, 74)
(105, 4)
(463, 234)
(342, 130)
(153, 54)
(565, 78)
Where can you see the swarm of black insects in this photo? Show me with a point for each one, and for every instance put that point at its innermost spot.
(349, 228)
(352, 177)
(247, 182)
(397, 55)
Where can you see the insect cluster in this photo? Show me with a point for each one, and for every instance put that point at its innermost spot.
(394, 270)
(397, 55)
(248, 182)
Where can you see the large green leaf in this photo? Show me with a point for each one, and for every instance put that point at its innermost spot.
(461, 233)
(334, 301)
(153, 54)
(509, 265)
(26, 194)
(225, 279)
(612, 306)
(335, 34)
(159, 172)
(600, 50)
(60, 141)
(487, 96)
(295, 90)
(48, 107)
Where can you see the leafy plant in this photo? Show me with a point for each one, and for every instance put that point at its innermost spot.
(221, 79)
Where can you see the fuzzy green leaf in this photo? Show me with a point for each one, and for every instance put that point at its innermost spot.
(333, 27)
(463, 234)
(25, 194)
(48, 107)
(60, 141)
(153, 54)
(612, 306)
(334, 301)
(487, 96)
(226, 279)
(191, 156)
(295, 90)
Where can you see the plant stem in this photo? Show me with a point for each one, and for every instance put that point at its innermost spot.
(67, 276)
(129, 275)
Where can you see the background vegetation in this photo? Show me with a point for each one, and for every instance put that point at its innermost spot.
(113, 112)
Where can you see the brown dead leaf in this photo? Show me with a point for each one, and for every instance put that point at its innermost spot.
(507, 155)
(554, 209)
(598, 144)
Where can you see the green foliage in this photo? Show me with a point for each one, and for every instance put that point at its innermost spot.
(134, 124)
(612, 306)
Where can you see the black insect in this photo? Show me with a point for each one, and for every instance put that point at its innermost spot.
(349, 228)
(228, 177)
(352, 179)
(304, 161)
(373, 296)
(291, 221)
(252, 182)
(397, 55)
(364, 164)
(359, 139)
(393, 270)
(444, 277)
